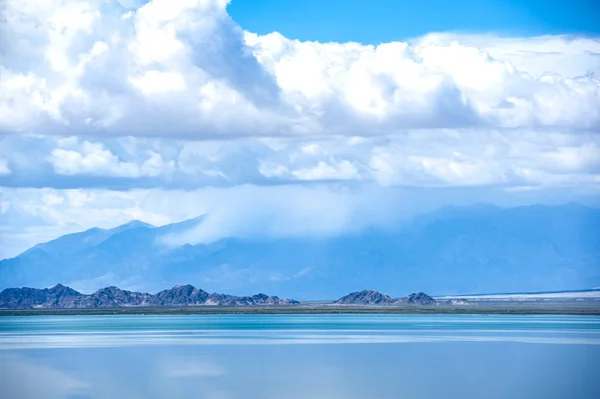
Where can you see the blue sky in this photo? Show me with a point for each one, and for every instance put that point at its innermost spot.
(378, 21)
(112, 110)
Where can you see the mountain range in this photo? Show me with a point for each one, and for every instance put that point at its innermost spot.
(453, 250)
(370, 297)
(62, 297)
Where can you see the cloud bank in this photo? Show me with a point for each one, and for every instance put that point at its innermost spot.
(185, 69)
(524, 159)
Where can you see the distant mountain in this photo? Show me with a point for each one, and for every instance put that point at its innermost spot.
(370, 297)
(366, 297)
(62, 297)
(453, 250)
(419, 298)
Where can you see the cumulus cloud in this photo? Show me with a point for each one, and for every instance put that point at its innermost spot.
(162, 68)
(73, 158)
(415, 158)
(567, 56)
(431, 82)
(188, 70)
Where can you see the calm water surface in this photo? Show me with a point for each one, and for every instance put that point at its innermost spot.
(300, 356)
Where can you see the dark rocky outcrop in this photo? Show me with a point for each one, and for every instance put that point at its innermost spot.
(22, 298)
(62, 297)
(180, 295)
(260, 299)
(366, 297)
(419, 298)
(113, 297)
(370, 297)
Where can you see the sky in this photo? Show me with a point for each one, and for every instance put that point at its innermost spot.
(379, 21)
(344, 114)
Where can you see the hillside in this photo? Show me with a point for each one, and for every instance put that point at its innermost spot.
(370, 297)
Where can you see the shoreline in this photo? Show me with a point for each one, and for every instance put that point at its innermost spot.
(581, 308)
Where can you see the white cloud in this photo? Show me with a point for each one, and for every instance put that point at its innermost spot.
(4, 169)
(571, 159)
(154, 82)
(94, 159)
(567, 56)
(52, 199)
(444, 81)
(343, 170)
(414, 158)
(187, 69)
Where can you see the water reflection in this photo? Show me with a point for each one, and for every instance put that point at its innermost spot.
(563, 362)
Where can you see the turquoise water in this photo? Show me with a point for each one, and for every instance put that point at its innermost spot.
(300, 356)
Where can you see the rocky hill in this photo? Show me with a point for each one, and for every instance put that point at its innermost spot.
(370, 297)
(366, 297)
(419, 298)
(61, 297)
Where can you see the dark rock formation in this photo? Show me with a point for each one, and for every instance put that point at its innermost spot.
(260, 299)
(57, 296)
(366, 297)
(418, 299)
(113, 297)
(180, 295)
(370, 297)
(62, 297)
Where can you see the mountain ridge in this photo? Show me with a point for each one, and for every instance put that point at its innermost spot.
(372, 297)
(63, 297)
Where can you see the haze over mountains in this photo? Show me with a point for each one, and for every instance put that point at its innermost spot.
(453, 250)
